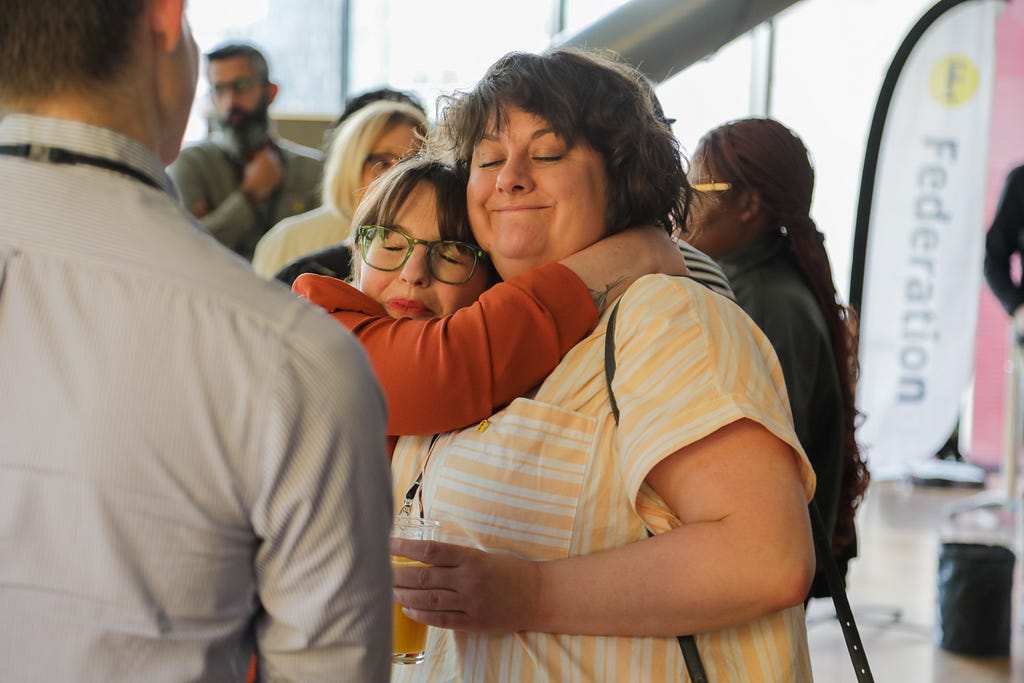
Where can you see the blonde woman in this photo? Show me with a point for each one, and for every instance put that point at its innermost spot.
(366, 145)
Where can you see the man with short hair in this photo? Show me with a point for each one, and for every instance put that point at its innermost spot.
(244, 179)
(192, 460)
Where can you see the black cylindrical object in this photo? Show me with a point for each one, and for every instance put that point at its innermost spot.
(974, 598)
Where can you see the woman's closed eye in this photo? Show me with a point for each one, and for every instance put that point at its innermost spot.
(453, 254)
(453, 257)
(542, 158)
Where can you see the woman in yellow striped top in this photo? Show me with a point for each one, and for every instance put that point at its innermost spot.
(546, 571)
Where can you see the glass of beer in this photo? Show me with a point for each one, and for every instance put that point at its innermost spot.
(409, 640)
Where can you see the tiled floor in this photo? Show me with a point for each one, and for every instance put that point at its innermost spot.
(892, 588)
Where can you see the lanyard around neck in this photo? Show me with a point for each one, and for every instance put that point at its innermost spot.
(410, 495)
(416, 488)
(58, 155)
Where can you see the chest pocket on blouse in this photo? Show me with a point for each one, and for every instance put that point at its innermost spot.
(513, 485)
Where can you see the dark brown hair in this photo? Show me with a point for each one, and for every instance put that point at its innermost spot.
(386, 196)
(763, 154)
(49, 46)
(582, 95)
(257, 60)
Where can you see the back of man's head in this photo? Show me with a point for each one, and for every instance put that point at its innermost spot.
(53, 46)
(256, 58)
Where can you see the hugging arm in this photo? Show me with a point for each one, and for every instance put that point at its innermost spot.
(482, 357)
(449, 372)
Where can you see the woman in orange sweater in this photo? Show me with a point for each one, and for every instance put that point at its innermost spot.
(501, 341)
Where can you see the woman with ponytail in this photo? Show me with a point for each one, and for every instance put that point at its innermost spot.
(755, 181)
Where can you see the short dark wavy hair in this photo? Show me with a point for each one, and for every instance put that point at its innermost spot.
(588, 95)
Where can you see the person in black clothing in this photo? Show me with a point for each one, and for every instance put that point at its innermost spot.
(1006, 237)
(753, 217)
(334, 261)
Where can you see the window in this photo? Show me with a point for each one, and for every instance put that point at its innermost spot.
(435, 48)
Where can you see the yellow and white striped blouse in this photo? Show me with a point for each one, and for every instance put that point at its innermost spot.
(551, 476)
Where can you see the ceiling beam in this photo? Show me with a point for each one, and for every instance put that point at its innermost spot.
(663, 37)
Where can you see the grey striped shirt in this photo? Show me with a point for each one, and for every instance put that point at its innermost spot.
(705, 270)
(192, 459)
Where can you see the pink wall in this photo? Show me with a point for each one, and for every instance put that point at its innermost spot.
(1006, 150)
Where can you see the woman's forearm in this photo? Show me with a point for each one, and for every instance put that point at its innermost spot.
(694, 579)
(608, 267)
(479, 358)
(728, 563)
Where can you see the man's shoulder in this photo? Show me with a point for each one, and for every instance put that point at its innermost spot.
(193, 265)
(202, 153)
(294, 150)
(230, 285)
(248, 313)
(201, 148)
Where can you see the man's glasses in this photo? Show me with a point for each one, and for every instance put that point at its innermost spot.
(448, 261)
(239, 86)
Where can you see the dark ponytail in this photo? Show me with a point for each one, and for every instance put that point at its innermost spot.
(765, 155)
(808, 245)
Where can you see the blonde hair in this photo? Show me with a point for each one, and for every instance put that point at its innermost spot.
(352, 141)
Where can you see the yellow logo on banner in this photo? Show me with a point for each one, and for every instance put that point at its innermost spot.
(954, 80)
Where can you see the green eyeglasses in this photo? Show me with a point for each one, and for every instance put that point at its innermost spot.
(448, 261)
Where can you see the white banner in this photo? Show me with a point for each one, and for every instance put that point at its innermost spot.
(925, 243)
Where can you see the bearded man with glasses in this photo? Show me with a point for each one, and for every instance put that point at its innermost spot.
(244, 179)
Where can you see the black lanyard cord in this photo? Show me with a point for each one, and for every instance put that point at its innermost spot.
(410, 495)
(57, 155)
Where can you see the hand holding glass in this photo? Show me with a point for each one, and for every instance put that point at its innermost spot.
(409, 640)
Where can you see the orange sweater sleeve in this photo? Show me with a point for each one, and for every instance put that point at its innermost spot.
(449, 372)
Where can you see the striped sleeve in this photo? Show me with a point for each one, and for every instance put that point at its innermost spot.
(689, 364)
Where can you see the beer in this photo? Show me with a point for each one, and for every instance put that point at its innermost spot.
(409, 639)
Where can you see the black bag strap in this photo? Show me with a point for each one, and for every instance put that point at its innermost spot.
(688, 646)
(609, 360)
(842, 604)
(694, 666)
